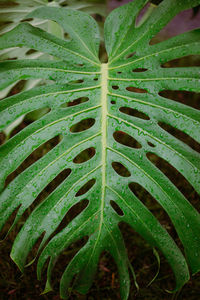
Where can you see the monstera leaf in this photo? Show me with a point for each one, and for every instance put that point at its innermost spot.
(14, 12)
(113, 103)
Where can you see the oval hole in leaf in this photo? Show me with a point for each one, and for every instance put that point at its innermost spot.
(130, 55)
(31, 51)
(79, 65)
(116, 208)
(26, 20)
(125, 139)
(120, 169)
(85, 188)
(37, 114)
(76, 81)
(115, 87)
(188, 98)
(85, 155)
(185, 61)
(138, 70)
(72, 213)
(136, 90)
(17, 87)
(75, 102)
(182, 136)
(28, 119)
(150, 144)
(67, 36)
(113, 102)
(134, 113)
(82, 125)
(176, 178)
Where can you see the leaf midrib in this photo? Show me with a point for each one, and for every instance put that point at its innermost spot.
(104, 92)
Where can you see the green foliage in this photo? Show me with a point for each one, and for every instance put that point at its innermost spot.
(107, 98)
(15, 12)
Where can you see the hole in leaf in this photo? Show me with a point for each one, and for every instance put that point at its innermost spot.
(33, 252)
(186, 61)
(99, 18)
(142, 194)
(72, 213)
(116, 208)
(27, 20)
(12, 58)
(115, 87)
(130, 55)
(85, 155)
(119, 72)
(30, 51)
(121, 169)
(134, 113)
(28, 119)
(113, 102)
(176, 178)
(139, 70)
(125, 139)
(37, 114)
(85, 188)
(182, 136)
(66, 36)
(17, 88)
(95, 79)
(188, 98)
(76, 81)
(33, 157)
(75, 102)
(51, 187)
(136, 90)
(7, 22)
(2, 137)
(150, 144)
(82, 125)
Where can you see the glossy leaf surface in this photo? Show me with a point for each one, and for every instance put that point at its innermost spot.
(94, 147)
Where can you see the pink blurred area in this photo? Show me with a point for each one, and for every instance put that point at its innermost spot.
(184, 21)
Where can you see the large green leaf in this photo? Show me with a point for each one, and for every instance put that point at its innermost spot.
(13, 13)
(76, 73)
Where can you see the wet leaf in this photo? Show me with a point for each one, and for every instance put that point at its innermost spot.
(111, 161)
